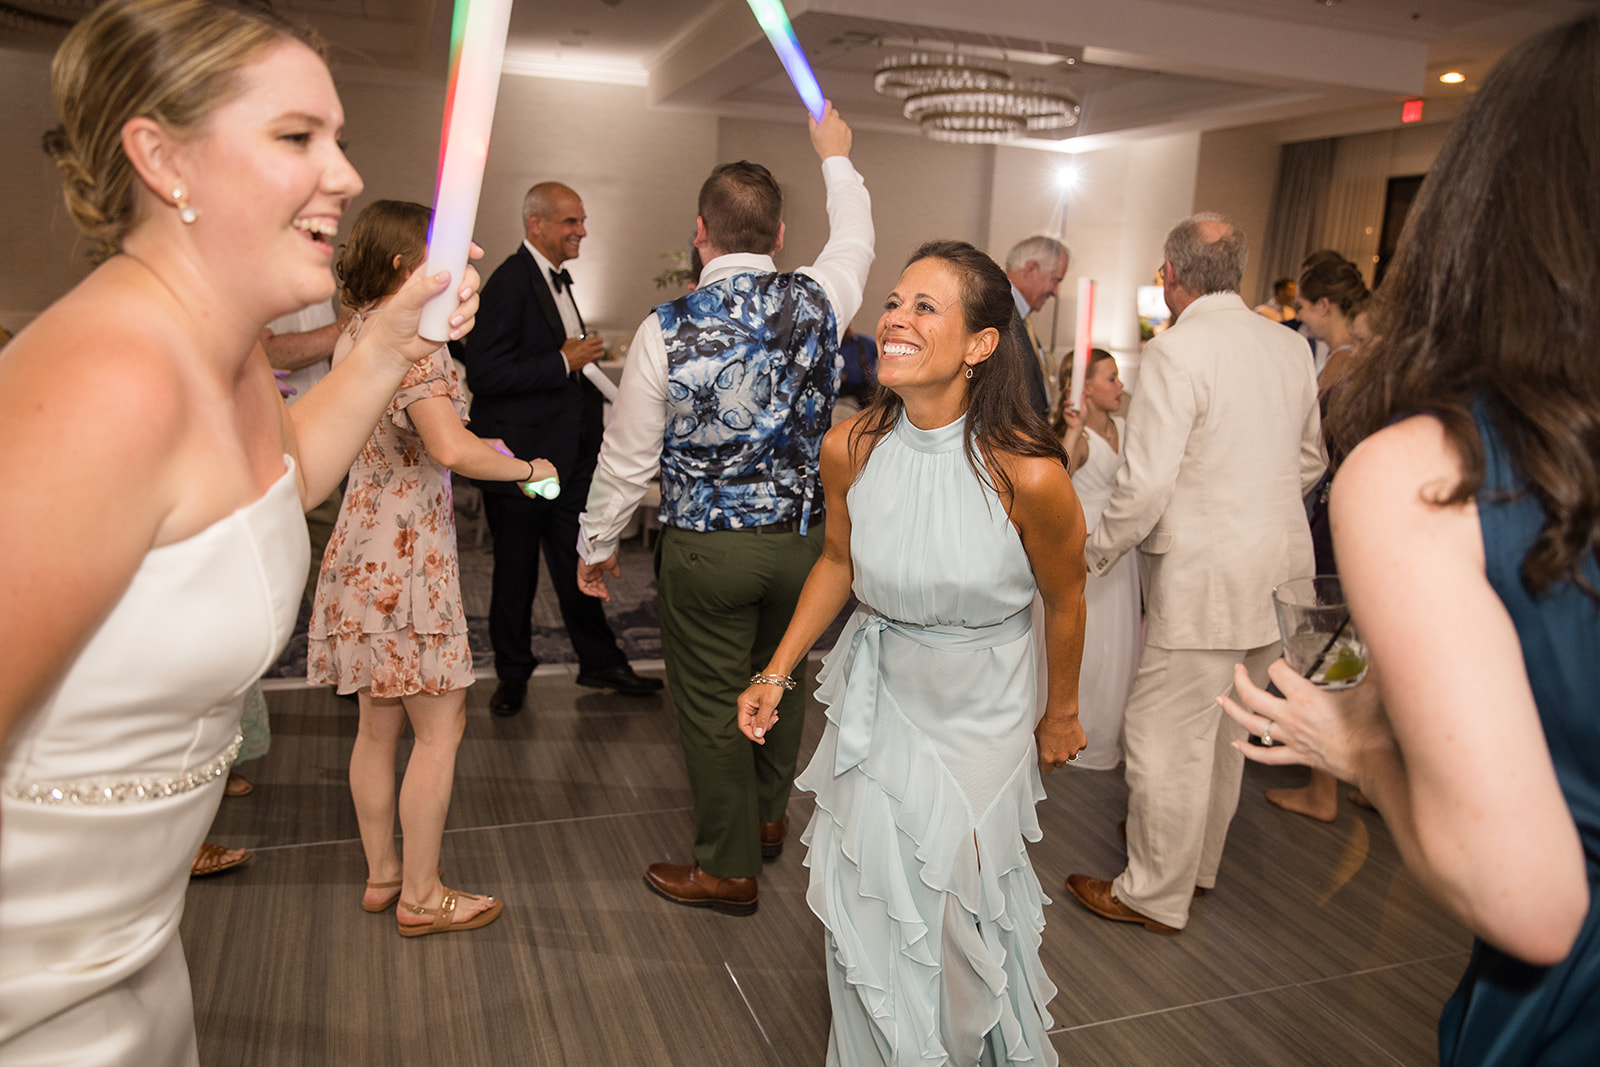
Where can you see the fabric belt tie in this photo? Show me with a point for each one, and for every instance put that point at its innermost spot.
(859, 713)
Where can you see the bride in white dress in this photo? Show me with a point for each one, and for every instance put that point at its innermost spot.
(154, 544)
(1111, 639)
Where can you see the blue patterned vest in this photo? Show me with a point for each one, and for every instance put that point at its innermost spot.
(752, 369)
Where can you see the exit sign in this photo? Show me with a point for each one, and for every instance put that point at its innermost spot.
(1411, 111)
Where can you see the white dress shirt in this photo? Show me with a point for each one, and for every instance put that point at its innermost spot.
(631, 453)
(570, 319)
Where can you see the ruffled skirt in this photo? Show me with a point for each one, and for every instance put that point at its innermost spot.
(933, 912)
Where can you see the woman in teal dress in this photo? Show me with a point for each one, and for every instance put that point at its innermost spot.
(949, 508)
(1466, 527)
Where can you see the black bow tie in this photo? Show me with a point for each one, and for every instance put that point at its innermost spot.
(560, 279)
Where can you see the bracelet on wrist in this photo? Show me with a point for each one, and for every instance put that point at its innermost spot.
(783, 681)
(529, 478)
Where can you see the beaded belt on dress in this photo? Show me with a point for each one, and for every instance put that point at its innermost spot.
(125, 790)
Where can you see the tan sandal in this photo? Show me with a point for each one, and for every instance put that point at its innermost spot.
(213, 859)
(236, 786)
(390, 901)
(444, 916)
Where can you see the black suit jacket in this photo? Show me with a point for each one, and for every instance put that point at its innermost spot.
(521, 391)
(1033, 372)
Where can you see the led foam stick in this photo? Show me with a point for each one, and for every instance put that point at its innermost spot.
(1084, 341)
(543, 489)
(775, 23)
(477, 51)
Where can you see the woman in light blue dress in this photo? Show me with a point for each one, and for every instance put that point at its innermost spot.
(949, 509)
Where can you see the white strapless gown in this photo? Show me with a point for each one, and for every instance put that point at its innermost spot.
(109, 785)
(1111, 637)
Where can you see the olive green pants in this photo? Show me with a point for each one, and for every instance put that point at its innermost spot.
(725, 598)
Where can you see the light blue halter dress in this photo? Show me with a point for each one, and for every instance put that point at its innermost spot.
(926, 776)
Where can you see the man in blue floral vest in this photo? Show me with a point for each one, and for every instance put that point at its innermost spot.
(727, 393)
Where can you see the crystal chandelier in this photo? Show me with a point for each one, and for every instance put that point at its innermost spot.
(955, 98)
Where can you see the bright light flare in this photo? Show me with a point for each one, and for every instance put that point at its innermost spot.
(1069, 176)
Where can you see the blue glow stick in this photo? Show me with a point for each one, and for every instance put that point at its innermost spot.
(775, 23)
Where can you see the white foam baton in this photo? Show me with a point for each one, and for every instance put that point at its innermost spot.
(477, 52)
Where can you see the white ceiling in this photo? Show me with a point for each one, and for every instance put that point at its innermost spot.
(1140, 67)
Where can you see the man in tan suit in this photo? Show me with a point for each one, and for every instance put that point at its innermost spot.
(1223, 438)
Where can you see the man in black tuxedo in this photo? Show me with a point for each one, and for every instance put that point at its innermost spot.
(525, 360)
(1035, 266)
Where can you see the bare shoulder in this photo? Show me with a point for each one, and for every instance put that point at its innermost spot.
(1406, 463)
(79, 381)
(1036, 477)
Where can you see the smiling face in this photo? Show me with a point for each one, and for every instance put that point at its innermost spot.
(558, 232)
(1103, 387)
(923, 340)
(1038, 283)
(269, 180)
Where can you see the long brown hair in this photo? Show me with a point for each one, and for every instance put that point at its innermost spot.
(999, 419)
(1494, 297)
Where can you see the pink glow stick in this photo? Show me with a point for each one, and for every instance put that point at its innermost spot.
(477, 52)
(1083, 343)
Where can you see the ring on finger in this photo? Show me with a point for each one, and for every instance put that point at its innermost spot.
(1266, 735)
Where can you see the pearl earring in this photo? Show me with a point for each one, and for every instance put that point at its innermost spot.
(186, 212)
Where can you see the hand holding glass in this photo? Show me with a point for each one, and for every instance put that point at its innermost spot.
(1319, 638)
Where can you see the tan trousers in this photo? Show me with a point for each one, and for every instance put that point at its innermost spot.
(1183, 774)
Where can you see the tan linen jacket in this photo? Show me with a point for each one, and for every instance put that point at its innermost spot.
(1223, 440)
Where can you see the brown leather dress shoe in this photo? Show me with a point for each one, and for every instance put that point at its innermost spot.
(1095, 894)
(690, 886)
(772, 834)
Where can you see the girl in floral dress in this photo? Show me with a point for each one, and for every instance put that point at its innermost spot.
(387, 623)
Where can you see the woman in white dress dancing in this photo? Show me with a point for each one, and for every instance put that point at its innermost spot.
(1092, 437)
(153, 535)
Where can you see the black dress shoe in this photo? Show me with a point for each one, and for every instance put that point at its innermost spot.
(621, 678)
(508, 696)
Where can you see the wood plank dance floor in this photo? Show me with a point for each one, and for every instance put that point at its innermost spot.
(1316, 947)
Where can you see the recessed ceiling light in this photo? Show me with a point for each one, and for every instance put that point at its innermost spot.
(1452, 77)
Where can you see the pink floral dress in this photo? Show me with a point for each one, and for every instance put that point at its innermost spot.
(388, 606)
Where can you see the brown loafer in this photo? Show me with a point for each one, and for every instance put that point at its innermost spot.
(772, 834)
(1096, 895)
(690, 886)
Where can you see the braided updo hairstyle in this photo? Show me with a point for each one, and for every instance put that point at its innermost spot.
(173, 61)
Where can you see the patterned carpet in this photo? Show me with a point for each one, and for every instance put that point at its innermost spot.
(632, 610)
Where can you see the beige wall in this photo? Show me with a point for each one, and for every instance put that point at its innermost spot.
(921, 190)
(1235, 176)
(638, 171)
(1125, 200)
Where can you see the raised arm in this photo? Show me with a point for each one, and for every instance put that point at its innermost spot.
(1453, 754)
(842, 266)
(1047, 515)
(327, 427)
(826, 591)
